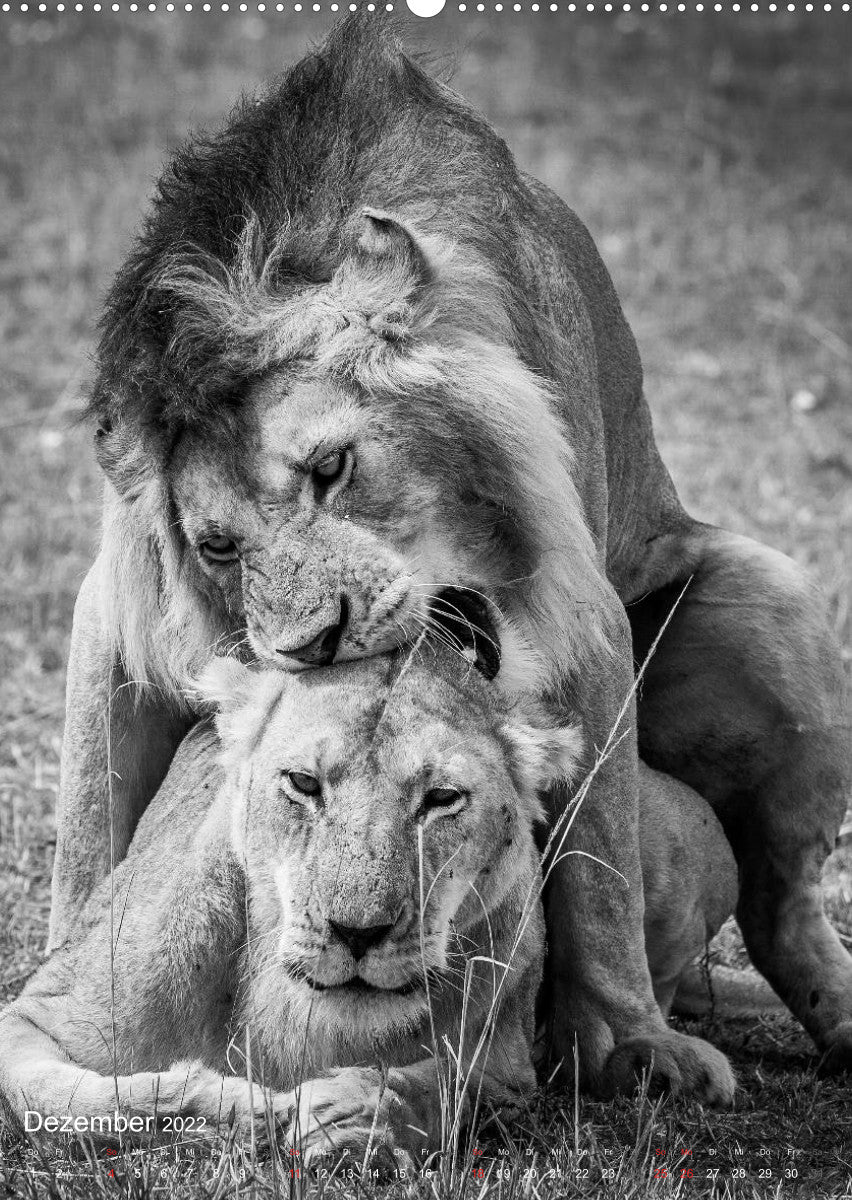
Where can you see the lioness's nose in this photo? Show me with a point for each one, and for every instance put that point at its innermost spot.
(320, 650)
(359, 938)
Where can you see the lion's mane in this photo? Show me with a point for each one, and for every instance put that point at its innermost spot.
(251, 259)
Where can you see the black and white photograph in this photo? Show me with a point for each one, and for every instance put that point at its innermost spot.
(425, 627)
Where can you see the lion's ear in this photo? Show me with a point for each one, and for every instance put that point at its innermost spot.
(543, 757)
(385, 237)
(126, 455)
(225, 684)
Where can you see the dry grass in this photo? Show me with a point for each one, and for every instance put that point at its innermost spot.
(712, 162)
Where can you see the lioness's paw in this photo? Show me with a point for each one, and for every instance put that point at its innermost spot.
(350, 1111)
(681, 1065)
(837, 1050)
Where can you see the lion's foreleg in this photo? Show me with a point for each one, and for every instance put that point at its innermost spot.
(116, 750)
(599, 989)
(598, 981)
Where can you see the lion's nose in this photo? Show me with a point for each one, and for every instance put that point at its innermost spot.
(359, 938)
(320, 650)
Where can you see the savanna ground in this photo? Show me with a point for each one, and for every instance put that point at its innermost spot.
(712, 159)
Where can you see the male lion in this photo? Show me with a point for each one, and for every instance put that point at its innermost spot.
(357, 882)
(358, 368)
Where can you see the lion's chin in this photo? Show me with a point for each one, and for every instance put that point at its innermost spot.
(368, 648)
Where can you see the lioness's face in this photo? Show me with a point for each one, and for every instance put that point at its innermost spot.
(383, 809)
(312, 524)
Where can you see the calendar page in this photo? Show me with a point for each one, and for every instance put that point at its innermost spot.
(426, 496)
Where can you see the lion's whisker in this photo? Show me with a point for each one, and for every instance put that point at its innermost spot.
(471, 625)
(459, 587)
(440, 632)
(441, 635)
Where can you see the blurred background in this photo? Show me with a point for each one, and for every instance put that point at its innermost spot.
(710, 155)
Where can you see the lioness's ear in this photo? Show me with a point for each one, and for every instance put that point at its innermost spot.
(225, 684)
(543, 757)
(243, 699)
(383, 236)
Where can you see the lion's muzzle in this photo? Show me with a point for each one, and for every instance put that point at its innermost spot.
(320, 649)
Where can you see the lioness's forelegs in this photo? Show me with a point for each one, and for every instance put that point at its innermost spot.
(481, 1064)
(415, 1110)
(39, 1083)
(116, 750)
(745, 700)
(149, 984)
(598, 984)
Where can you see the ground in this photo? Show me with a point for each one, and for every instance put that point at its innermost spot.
(712, 161)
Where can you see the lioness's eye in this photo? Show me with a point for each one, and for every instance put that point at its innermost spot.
(219, 549)
(330, 468)
(437, 798)
(300, 781)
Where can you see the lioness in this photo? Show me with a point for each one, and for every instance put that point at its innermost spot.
(358, 369)
(351, 882)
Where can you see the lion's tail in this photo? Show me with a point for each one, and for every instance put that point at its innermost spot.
(38, 1081)
(724, 992)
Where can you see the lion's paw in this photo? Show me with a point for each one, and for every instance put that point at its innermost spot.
(837, 1050)
(682, 1065)
(350, 1112)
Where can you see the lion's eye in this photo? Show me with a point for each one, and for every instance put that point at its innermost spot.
(303, 783)
(330, 468)
(447, 799)
(218, 549)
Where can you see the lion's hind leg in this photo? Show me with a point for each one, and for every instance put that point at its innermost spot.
(46, 1093)
(745, 699)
